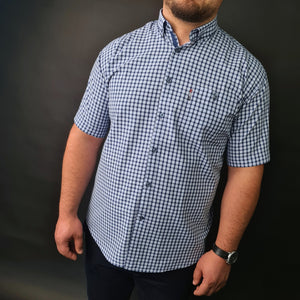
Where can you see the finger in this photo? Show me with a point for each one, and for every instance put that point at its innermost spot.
(220, 286)
(70, 250)
(202, 290)
(210, 292)
(78, 240)
(65, 249)
(197, 275)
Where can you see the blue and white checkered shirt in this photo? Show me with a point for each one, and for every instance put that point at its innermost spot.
(171, 115)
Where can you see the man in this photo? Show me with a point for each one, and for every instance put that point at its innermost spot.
(169, 103)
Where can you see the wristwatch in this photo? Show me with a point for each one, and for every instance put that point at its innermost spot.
(230, 257)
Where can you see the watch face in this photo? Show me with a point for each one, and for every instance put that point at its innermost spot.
(232, 257)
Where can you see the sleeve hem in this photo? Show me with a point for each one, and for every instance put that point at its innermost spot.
(248, 164)
(89, 132)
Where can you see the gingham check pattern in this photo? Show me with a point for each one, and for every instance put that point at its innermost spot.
(169, 113)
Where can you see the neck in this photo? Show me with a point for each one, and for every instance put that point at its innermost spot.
(180, 27)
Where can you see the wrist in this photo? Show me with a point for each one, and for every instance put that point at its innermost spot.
(227, 245)
(66, 210)
(230, 257)
(67, 215)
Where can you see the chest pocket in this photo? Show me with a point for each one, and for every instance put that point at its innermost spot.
(202, 116)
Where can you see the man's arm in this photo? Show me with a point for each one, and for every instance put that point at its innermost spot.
(237, 207)
(238, 204)
(78, 165)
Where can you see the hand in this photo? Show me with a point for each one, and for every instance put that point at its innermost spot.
(69, 237)
(211, 272)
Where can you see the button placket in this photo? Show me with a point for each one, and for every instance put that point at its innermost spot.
(154, 149)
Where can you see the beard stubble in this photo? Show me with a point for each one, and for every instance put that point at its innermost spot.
(190, 11)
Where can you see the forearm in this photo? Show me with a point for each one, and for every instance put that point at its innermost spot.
(238, 204)
(78, 165)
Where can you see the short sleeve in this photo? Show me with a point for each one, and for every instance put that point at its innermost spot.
(248, 144)
(92, 116)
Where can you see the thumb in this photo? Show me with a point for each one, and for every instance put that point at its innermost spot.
(78, 241)
(197, 276)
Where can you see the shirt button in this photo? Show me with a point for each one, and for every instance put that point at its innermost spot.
(142, 218)
(148, 184)
(161, 115)
(169, 79)
(154, 149)
(177, 50)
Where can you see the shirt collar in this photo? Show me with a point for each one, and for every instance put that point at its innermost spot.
(201, 32)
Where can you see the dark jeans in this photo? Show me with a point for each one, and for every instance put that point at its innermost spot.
(108, 282)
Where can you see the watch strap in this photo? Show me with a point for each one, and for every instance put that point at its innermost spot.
(220, 252)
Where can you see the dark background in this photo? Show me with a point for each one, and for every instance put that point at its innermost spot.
(47, 51)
